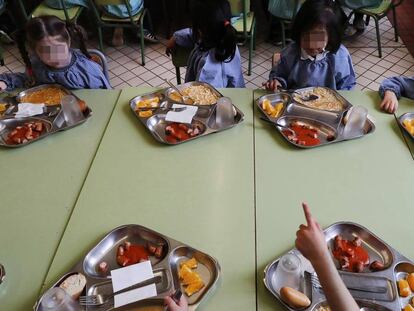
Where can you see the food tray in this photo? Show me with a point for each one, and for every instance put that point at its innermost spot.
(294, 111)
(204, 118)
(405, 116)
(396, 266)
(48, 118)
(174, 252)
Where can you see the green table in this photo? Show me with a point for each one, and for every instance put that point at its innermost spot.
(368, 181)
(39, 186)
(200, 193)
(406, 105)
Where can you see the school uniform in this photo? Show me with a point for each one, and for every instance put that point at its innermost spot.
(56, 4)
(401, 86)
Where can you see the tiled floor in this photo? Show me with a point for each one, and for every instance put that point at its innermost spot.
(370, 70)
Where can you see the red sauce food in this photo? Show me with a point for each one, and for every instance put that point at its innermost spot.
(27, 132)
(305, 135)
(129, 254)
(350, 254)
(177, 132)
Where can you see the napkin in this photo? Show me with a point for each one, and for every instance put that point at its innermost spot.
(28, 110)
(185, 116)
(131, 275)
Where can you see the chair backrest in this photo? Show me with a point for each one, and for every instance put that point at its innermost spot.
(284, 9)
(95, 4)
(239, 7)
(99, 58)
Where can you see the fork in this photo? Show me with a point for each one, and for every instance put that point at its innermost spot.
(368, 289)
(97, 300)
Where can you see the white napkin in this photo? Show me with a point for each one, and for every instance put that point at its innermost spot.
(185, 116)
(28, 110)
(128, 276)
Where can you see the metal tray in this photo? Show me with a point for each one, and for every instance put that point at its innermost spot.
(51, 113)
(405, 116)
(396, 267)
(181, 87)
(174, 252)
(295, 111)
(156, 123)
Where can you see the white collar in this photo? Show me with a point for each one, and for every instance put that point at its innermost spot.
(318, 57)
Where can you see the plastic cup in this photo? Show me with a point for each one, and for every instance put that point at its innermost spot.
(355, 124)
(71, 110)
(224, 113)
(56, 299)
(288, 272)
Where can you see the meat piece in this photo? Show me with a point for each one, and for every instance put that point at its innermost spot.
(121, 250)
(376, 266)
(103, 267)
(39, 126)
(151, 248)
(183, 127)
(344, 263)
(158, 251)
(357, 241)
(127, 245)
(358, 267)
(169, 130)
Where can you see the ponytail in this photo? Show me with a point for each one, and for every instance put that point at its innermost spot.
(226, 47)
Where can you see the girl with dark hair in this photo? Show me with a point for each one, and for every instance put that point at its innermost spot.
(52, 60)
(215, 58)
(316, 57)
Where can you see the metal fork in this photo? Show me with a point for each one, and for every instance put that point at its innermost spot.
(97, 300)
(368, 289)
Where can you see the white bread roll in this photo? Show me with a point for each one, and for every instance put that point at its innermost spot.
(74, 285)
(294, 298)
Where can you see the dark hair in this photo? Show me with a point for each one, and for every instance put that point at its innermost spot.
(212, 28)
(40, 27)
(319, 12)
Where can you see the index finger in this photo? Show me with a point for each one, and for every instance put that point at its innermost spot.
(306, 210)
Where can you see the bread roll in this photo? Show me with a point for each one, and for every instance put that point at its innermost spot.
(74, 285)
(294, 298)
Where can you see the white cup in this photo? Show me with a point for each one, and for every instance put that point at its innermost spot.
(288, 272)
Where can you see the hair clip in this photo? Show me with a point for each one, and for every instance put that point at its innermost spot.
(226, 23)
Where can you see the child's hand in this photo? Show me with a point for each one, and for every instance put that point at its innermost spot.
(172, 306)
(390, 102)
(170, 46)
(3, 86)
(310, 240)
(272, 85)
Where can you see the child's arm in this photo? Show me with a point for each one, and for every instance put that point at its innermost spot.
(310, 241)
(278, 75)
(11, 81)
(172, 306)
(392, 89)
(344, 70)
(183, 37)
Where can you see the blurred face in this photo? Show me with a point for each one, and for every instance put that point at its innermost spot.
(314, 41)
(53, 52)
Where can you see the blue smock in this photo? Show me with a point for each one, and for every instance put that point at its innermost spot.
(81, 73)
(401, 86)
(202, 65)
(334, 71)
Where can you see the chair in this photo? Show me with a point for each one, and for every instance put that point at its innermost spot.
(104, 20)
(285, 11)
(179, 57)
(245, 25)
(68, 14)
(378, 13)
(99, 58)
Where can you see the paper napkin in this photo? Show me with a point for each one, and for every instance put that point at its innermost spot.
(185, 116)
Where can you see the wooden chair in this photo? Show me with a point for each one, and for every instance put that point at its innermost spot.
(245, 25)
(134, 22)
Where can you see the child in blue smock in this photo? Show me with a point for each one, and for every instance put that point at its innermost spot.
(215, 58)
(316, 57)
(392, 89)
(52, 60)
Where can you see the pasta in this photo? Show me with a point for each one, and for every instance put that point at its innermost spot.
(326, 100)
(49, 96)
(200, 94)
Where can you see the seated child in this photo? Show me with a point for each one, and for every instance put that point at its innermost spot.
(52, 60)
(215, 58)
(316, 57)
(392, 89)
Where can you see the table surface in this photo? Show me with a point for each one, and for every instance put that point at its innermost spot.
(39, 186)
(234, 195)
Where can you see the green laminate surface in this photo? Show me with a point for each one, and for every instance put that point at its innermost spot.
(407, 105)
(368, 181)
(39, 185)
(200, 193)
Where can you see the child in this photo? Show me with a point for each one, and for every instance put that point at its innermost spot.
(310, 241)
(316, 57)
(215, 58)
(52, 60)
(392, 89)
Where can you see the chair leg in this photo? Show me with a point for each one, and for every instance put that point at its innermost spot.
(378, 37)
(100, 39)
(282, 24)
(178, 75)
(394, 16)
(367, 20)
(253, 34)
(141, 30)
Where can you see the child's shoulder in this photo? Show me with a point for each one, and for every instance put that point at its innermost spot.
(342, 52)
(292, 49)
